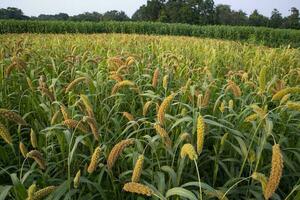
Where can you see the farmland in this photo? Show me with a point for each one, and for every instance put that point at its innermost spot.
(116, 116)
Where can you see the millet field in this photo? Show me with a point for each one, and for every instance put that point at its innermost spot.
(117, 116)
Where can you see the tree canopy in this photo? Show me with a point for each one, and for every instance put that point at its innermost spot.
(200, 12)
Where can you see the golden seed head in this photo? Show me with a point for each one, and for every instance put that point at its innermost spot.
(116, 151)
(163, 107)
(146, 107)
(77, 179)
(30, 192)
(188, 150)
(261, 178)
(222, 107)
(137, 171)
(93, 125)
(72, 84)
(276, 172)
(165, 82)
(230, 104)
(206, 98)
(164, 135)
(94, 160)
(293, 105)
(281, 93)
(128, 116)
(37, 156)
(54, 117)
(234, 88)
(87, 104)
(116, 77)
(64, 112)
(121, 84)
(251, 118)
(200, 134)
(137, 188)
(185, 136)
(155, 77)
(284, 99)
(71, 123)
(262, 79)
(40, 194)
(23, 149)
(33, 139)
(12, 116)
(259, 111)
(5, 134)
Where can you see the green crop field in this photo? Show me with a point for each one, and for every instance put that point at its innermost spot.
(116, 116)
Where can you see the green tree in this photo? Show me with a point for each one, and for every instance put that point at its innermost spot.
(12, 13)
(115, 15)
(87, 16)
(256, 19)
(293, 20)
(149, 12)
(276, 19)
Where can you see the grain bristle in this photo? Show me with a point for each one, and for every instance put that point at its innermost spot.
(116, 151)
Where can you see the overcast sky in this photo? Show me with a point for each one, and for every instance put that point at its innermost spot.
(72, 7)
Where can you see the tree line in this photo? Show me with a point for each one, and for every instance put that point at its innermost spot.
(198, 12)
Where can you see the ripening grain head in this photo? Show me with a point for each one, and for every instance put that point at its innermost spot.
(137, 171)
(276, 172)
(137, 188)
(163, 107)
(116, 151)
(5, 135)
(94, 160)
(200, 134)
(188, 150)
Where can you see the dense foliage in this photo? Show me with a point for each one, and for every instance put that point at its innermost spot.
(169, 113)
(265, 36)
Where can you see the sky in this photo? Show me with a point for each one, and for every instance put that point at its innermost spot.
(73, 7)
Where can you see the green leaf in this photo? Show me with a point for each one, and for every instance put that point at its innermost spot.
(181, 192)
